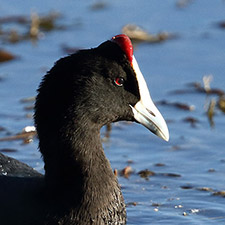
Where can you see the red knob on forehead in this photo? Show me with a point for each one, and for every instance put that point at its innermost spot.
(125, 44)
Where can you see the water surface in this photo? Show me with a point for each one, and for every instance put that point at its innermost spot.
(190, 168)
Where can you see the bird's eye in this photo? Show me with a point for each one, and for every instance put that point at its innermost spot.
(119, 81)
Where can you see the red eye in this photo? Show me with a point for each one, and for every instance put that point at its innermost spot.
(119, 81)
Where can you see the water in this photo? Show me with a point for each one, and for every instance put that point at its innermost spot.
(190, 168)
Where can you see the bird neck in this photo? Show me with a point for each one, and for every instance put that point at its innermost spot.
(80, 181)
(79, 165)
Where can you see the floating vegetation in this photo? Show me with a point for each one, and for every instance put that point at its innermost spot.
(5, 56)
(169, 174)
(14, 19)
(183, 3)
(198, 87)
(211, 170)
(40, 24)
(131, 204)
(99, 5)
(146, 173)
(49, 22)
(27, 100)
(210, 111)
(212, 104)
(206, 82)
(35, 26)
(28, 28)
(29, 107)
(187, 187)
(7, 150)
(137, 34)
(126, 172)
(115, 172)
(221, 103)
(205, 189)
(155, 204)
(220, 193)
(205, 88)
(159, 164)
(193, 121)
(178, 105)
(27, 135)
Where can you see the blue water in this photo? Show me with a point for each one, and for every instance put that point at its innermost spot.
(191, 153)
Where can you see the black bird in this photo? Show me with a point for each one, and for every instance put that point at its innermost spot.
(79, 95)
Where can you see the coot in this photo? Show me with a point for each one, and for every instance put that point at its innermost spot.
(79, 95)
